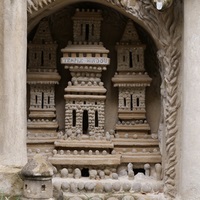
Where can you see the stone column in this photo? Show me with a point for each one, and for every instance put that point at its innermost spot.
(13, 36)
(189, 184)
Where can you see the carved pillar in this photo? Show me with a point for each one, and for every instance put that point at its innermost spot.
(190, 162)
(13, 33)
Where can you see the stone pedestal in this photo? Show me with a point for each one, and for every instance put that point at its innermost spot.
(10, 181)
(13, 36)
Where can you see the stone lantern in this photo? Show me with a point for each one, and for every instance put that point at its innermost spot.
(37, 175)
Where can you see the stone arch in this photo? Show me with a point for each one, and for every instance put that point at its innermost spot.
(38, 9)
(165, 29)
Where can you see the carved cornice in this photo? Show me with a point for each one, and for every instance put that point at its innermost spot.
(35, 5)
(164, 27)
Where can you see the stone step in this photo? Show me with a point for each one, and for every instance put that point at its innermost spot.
(136, 127)
(141, 158)
(79, 160)
(135, 142)
(90, 144)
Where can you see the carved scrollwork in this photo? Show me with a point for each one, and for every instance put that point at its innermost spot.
(37, 4)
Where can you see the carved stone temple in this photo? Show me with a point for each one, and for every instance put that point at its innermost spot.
(99, 99)
(105, 156)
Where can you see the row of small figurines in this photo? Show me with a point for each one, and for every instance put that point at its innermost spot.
(150, 173)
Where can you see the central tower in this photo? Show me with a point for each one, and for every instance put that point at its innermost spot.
(85, 143)
(85, 58)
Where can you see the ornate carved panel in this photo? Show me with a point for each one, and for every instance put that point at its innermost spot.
(164, 27)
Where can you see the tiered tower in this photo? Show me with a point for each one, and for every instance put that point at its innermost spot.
(134, 140)
(85, 58)
(85, 143)
(42, 76)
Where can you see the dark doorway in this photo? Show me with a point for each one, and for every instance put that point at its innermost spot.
(130, 59)
(96, 119)
(74, 118)
(136, 171)
(85, 122)
(85, 172)
(87, 31)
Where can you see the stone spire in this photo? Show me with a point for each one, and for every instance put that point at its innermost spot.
(130, 34)
(43, 34)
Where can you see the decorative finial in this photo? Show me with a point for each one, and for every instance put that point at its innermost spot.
(162, 4)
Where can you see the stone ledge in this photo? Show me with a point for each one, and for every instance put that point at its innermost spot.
(11, 183)
(112, 196)
(86, 160)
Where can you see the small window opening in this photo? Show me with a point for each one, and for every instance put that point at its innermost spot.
(95, 103)
(138, 101)
(73, 102)
(85, 122)
(74, 118)
(124, 58)
(84, 102)
(42, 58)
(43, 187)
(81, 29)
(36, 99)
(92, 29)
(96, 119)
(87, 28)
(131, 103)
(26, 186)
(85, 172)
(124, 102)
(130, 60)
(136, 171)
(138, 58)
(48, 99)
(42, 99)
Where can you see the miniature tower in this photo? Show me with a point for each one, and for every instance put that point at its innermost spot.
(85, 58)
(85, 144)
(37, 175)
(133, 131)
(42, 77)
